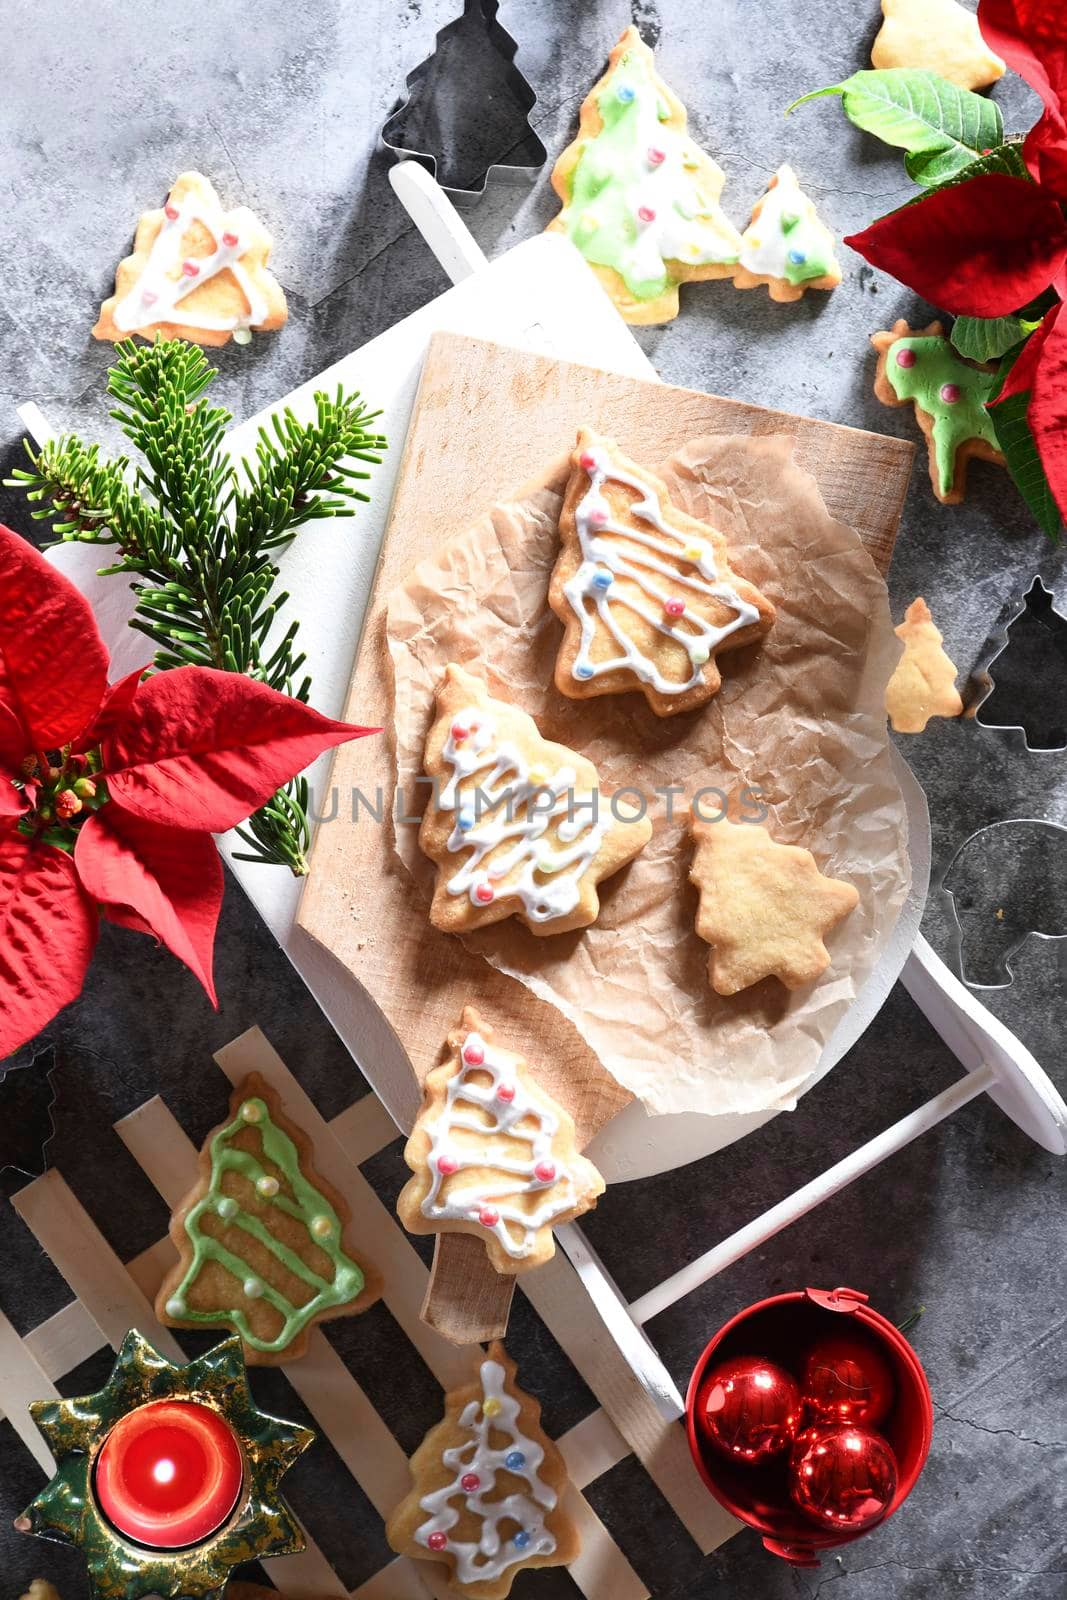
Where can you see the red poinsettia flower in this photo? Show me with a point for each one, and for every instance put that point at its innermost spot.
(987, 245)
(109, 794)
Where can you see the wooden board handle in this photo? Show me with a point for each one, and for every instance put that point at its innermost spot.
(467, 1300)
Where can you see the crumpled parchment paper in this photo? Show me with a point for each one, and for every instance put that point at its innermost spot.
(799, 717)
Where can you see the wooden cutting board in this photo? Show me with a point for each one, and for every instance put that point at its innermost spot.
(488, 420)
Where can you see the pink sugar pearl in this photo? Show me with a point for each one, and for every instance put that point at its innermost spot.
(489, 1216)
(950, 393)
(674, 608)
(906, 357)
(506, 1092)
(646, 214)
(544, 1171)
(437, 1541)
(447, 1165)
(473, 1054)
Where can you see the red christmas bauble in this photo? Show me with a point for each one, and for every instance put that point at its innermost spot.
(843, 1477)
(846, 1378)
(749, 1409)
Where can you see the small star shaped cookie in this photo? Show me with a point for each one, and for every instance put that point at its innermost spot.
(764, 907)
(923, 684)
(936, 36)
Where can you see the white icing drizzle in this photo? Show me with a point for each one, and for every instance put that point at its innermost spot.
(506, 803)
(604, 561)
(492, 1555)
(786, 224)
(505, 1104)
(162, 287)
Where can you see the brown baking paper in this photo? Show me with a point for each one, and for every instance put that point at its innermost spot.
(800, 716)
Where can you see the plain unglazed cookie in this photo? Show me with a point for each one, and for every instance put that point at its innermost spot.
(197, 272)
(640, 198)
(923, 684)
(261, 1237)
(493, 1155)
(645, 592)
(487, 1486)
(920, 368)
(765, 907)
(786, 246)
(516, 825)
(936, 36)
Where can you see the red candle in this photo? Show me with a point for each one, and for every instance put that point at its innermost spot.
(169, 1474)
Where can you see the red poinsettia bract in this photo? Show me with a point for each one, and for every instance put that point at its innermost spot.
(109, 795)
(987, 245)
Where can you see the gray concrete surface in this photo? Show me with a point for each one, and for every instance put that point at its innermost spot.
(280, 102)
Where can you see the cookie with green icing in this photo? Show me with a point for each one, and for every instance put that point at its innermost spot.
(640, 198)
(261, 1237)
(920, 368)
(786, 246)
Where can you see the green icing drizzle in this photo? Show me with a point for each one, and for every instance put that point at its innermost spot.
(307, 1206)
(614, 177)
(936, 364)
(805, 239)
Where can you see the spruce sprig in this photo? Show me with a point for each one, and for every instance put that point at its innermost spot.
(200, 536)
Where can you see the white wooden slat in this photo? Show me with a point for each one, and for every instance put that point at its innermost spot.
(22, 1380)
(364, 1128)
(306, 1576)
(66, 1340)
(591, 1448)
(601, 1571)
(400, 1580)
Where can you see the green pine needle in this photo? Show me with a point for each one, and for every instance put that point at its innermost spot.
(199, 537)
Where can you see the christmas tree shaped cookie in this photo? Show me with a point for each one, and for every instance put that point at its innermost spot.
(486, 1488)
(920, 368)
(640, 199)
(261, 1237)
(923, 684)
(936, 36)
(197, 272)
(493, 1155)
(764, 907)
(645, 593)
(517, 825)
(785, 245)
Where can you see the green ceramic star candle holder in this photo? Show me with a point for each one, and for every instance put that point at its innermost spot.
(167, 1478)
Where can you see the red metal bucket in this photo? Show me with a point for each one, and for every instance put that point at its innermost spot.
(782, 1329)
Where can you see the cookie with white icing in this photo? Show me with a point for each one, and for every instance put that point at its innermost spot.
(936, 36)
(645, 592)
(765, 907)
(640, 198)
(493, 1155)
(516, 825)
(197, 272)
(786, 245)
(487, 1488)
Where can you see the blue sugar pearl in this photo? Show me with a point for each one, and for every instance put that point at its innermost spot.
(797, 257)
(465, 820)
(583, 672)
(625, 94)
(603, 580)
(515, 1461)
(521, 1539)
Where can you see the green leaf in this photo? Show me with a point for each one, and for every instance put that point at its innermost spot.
(987, 338)
(942, 127)
(1021, 454)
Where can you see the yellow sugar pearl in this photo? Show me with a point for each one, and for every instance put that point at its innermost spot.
(589, 223)
(754, 242)
(267, 1186)
(321, 1227)
(694, 552)
(694, 249)
(490, 1407)
(251, 1112)
(538, 776)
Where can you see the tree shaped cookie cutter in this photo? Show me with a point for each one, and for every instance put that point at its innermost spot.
(432, 85)
(1038, 615)
(996, 911)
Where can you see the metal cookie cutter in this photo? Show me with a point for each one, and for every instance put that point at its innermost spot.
(1029, 704)
(443, 95)
(1006, 882)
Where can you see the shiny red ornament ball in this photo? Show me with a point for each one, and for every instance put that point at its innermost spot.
(749, 1409)
(846, 1378)
(844, 1478)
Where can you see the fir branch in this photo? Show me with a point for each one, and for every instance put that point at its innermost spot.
(199, 535)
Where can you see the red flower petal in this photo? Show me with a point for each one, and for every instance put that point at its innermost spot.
(53, 662)
(12, 750)
(1047, 411)
(115, 706)
(1032, 38)
(166, 881)
(980, 248)
(47, 932)
(1021, 376)
(204, 749)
